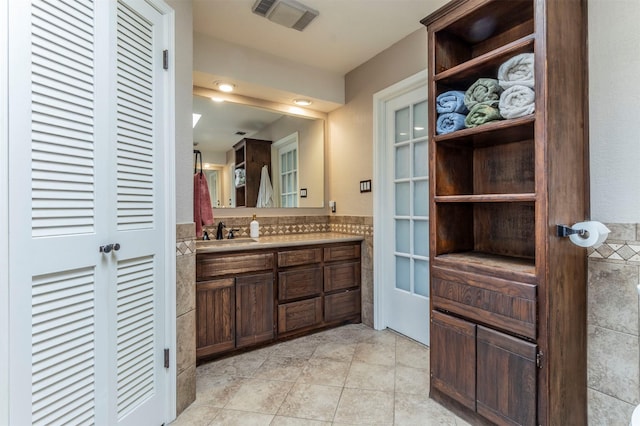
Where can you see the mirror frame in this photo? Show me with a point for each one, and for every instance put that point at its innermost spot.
(282, 108)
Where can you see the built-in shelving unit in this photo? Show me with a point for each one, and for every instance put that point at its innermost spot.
(508, 297)
(250, 156)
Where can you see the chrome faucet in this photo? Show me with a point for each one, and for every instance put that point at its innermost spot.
(219, 231)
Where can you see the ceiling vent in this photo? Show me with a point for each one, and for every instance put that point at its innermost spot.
(288, 13)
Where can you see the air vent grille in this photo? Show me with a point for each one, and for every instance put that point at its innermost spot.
(261, 7)
(304, 21)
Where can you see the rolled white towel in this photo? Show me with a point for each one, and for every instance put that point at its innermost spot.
(517, 70)
(517, 101)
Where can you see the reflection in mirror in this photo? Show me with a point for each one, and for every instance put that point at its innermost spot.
(296, 163)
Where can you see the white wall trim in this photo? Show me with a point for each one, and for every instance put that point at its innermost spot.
(4, 215)
(380, 163)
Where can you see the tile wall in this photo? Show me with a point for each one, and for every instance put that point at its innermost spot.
(185, 315)
(613, 350)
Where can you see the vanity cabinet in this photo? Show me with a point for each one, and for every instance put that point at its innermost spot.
(507, 295)
(251, 297)
(250, 156)
(234, 302)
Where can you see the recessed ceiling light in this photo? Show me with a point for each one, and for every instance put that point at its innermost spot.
(196, 117)
(302, 102)
(225, 87)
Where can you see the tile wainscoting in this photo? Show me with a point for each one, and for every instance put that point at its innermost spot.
(185, 315)
(613, 349)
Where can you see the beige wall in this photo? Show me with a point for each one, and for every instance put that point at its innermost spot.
(310, 153)
(350, 151)
(184, 130)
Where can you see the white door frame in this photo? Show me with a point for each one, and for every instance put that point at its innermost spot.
(382, 237)
(4, 217)
(169, 185)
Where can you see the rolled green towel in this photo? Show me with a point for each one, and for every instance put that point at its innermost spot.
(484, 90)
(481, 114)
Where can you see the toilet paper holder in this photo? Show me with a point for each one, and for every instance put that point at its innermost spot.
(565, 231)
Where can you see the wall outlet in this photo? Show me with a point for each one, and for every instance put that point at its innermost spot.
(332, 206)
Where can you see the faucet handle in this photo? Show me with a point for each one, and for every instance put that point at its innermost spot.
(231, 234)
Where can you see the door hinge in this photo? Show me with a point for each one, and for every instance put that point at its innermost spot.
(539, 359)
(166, 358)
(165, 59)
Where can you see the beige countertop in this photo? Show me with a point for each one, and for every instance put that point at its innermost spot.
(274, 241)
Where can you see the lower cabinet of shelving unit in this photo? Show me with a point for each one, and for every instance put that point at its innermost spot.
(489, 372)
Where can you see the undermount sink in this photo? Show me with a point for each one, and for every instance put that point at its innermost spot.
(233, 241)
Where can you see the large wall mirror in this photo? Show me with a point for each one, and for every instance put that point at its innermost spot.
(295, 154)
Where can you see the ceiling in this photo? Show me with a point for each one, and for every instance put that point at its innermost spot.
(346, 34)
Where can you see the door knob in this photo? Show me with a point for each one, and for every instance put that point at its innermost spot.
(108, 247)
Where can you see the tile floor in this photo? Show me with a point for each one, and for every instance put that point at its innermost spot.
(344, 376)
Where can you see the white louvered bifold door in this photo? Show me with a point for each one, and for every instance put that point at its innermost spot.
(85, 101)
(137, 225)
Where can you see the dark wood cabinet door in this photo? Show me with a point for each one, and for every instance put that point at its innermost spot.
(453, 358)
(340, 276)
(254, 309)
(215, 316)
(506, 375)
(339, 306)
(297, 315)
(298, 283)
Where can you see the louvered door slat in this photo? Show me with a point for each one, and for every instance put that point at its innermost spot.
(135, 332)
(63, 345)
(136, 167)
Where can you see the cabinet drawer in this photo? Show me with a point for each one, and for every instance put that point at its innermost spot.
(351, 251)
(341, 305)
(501, 303)
(297, 315)
(299, 283)
(299, 257)
(208, 266)
(341, 276)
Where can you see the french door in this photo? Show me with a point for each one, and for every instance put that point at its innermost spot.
(87, 107)
(404, 215)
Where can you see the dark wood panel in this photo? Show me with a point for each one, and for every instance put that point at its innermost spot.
(297, 283)
(254, 309)
(302, 314)
(506, 378)
(338, 306)
(453, 359)
(212, 265)
(505, 306)
(215, 317)
(506, 229)
(299, 257)
(342, 252)
(341, 276)
(503, 169)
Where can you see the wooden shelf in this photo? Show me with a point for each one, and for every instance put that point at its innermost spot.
(485, 198)
(492, 133)
(486, 65)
